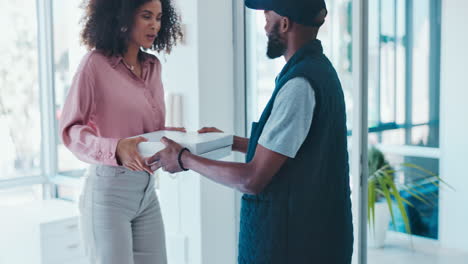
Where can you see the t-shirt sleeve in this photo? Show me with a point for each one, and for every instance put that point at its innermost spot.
(290, 119)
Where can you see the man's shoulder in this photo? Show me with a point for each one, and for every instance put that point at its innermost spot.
(298, 81)
(296, 87)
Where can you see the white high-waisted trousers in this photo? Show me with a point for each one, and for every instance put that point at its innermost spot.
(120, 218)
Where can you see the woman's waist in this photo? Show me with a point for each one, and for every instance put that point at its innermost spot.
(133, 130)
(113, 178)
(104, 170)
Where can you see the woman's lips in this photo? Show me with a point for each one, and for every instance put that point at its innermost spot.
(150, 37)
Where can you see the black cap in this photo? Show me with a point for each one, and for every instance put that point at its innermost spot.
(302, 12)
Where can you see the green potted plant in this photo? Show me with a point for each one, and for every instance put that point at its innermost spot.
(383, 192)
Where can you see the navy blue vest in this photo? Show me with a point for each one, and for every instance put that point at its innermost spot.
(304, 213)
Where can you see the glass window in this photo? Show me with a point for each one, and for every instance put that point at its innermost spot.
(387, 55)
(423, 216)
(69, 192)
(262, 71)
(67, 54)
(20, 120)
(336, 38)
(404, 90)
(403, 101)
(425, 76)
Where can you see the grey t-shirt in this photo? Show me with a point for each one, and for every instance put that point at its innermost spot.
(290, 119)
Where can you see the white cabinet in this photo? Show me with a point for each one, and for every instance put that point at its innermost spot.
(43, 232)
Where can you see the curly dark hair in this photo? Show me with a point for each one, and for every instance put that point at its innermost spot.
(104, 19)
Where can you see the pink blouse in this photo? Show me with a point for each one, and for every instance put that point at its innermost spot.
(108, 102)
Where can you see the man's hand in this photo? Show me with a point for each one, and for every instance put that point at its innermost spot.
(209, 130)
(240, 144)
(128, 155)
(167, 159)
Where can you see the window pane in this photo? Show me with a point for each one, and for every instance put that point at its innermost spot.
(69, 192)
(335, 35)
(394, 137)
(421, 53)
(336, 39)
(262, 75)
(374, 64)
(423, 216)
(412, 185)
(405, 105)
(406, 58)
(425, 105)
(67, 54)
(400, 60)
(20, 119)
(387, 61)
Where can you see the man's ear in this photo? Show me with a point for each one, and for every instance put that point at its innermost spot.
(285, 24)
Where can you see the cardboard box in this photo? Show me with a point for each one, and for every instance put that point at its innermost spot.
(208, 145)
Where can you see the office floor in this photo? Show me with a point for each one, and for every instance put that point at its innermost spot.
(398, 250)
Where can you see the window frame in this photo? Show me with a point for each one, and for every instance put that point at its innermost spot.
(45, 66)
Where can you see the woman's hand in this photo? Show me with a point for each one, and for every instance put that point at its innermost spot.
(180, 129)
(128, 155)
(209, 130)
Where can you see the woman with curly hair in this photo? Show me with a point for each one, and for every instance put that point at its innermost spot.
(117, 93)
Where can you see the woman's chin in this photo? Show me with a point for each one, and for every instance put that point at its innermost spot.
(147, 46)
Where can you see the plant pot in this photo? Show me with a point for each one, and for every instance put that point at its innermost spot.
(376, 234)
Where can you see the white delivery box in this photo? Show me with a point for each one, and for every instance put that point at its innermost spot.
(208, 145)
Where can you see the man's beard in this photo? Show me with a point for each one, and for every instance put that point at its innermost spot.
(276, 47)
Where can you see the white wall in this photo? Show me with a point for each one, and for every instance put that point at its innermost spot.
(453, 227)
(199, 213)
(216, 108)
